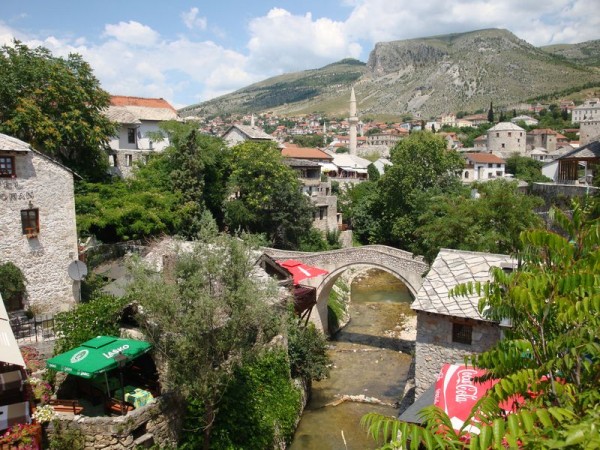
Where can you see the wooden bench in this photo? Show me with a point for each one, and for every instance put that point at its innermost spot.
(66, 406)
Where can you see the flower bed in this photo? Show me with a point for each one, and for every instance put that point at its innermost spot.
(22, 436)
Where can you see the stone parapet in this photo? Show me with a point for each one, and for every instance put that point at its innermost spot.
(158, 424)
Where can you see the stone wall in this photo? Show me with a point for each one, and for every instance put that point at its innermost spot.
(329, 220)
(589, 131)
(434, 346)
(158, 424)
(47, 186)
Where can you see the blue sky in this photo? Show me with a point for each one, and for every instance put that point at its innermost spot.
(188, 51)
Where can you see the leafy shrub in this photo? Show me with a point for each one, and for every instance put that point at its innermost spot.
(307, 350)
(66, 437)
(259, 408)
(12, 282)
(100, 316)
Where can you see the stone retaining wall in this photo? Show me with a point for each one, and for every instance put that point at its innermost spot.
(158, 423)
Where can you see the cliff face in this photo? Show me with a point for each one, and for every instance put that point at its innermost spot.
(426, 77)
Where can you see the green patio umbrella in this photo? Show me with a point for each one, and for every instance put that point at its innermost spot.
(97, 356)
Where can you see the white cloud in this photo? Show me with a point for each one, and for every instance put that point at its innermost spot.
(191, 19)
(132, 32)
(539, 23)
(281, 42)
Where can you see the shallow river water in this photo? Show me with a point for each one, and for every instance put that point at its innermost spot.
(366, 361)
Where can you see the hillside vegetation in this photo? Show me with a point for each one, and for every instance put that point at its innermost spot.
(427, 76)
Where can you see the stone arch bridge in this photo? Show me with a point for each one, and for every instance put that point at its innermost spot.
(403, 265)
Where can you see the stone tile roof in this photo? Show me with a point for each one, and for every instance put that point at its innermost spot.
(12, 144)
(121, 115)
(506, 126)
(591, 150)
(450, 268)
(252, 132)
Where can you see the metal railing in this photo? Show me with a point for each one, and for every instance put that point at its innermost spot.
(35, 329)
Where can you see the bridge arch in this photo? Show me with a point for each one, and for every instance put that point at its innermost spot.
(403, 265)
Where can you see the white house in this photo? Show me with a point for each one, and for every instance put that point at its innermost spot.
(482, 166)
(37, 224)
(589, 110)
(138, 119)
(238, 133)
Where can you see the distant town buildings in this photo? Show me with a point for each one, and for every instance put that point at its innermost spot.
(37, 225)
(589, 110)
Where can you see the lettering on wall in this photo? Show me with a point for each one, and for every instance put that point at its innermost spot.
(15, 196)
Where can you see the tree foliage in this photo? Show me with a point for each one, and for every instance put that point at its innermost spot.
(206, 320)
(550, 357)
(421, 163)
(265, 196)
(55, 104)
(525, 168)
(490, 223)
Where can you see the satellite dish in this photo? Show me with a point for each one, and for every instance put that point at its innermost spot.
(77, 270)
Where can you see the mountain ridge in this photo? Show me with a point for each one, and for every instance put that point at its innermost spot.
(423, 77)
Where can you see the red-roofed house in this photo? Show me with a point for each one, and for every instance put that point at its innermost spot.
(310, 154)
(138, 118)
(482, 166)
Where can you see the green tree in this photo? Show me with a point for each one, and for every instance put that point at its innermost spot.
(421, 163)
(265, 196)
(55, 104)
(525, 168)
(373, 172)
(490, 114)
(549, 357)
(490, 223)
(207, 319)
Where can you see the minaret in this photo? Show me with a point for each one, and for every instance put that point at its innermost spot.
(324, 134)
(353, 120)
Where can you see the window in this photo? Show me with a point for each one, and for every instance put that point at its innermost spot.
(490, 165)
(128, 160)
(503, 145)
(509, 134)
(461, 333)
(497, 134)
(490, 175)
(30, 222)
(131, 135)
(7, 166)
(498, 173)
(466, 175)
(322, 212)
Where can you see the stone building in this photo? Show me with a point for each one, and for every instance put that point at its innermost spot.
(325, 216)
(542, 137)
(237, 133)
(449, 328)
(37, 224)
(138, 119)
(505, 139)
(589, 131)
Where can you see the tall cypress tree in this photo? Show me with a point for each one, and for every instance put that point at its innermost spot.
(490, 116)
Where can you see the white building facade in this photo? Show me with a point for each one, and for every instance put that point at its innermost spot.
(139, 120)
(590, 110)
(37, 224)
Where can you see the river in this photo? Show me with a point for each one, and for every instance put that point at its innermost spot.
(367, 360)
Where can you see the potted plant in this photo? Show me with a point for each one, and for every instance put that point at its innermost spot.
(40, 390)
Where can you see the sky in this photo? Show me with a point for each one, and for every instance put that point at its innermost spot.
(190, 51)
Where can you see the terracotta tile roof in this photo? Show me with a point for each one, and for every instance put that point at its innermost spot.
(122, 100)
(293, 151)
(484, 158)
(450, 268)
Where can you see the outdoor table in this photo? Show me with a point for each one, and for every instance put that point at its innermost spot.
(99, 382)
(136, 396)
(11, 380)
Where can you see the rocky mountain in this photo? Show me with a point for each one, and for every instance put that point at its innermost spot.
(586, 53)
(426, 77)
